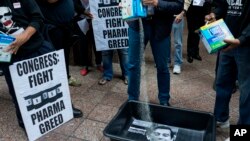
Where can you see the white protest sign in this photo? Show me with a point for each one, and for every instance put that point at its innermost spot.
(110, 30)
(42, 92)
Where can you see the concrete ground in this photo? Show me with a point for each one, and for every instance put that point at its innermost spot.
(192, 89)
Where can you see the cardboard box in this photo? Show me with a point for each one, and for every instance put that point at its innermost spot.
(5, 41)
(133, 9)
(213, 34)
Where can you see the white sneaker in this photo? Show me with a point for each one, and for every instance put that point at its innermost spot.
(177, 69)
(228, 139)
(223, 125)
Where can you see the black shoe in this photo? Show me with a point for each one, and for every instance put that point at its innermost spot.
(1, 72)
(190, 59)
(197, 57)
(77, 113)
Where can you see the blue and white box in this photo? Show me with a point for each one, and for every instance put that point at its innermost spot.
(5, 41)
(213, 34)
(133, 9)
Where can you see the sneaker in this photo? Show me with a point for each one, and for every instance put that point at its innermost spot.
(125, 81)
(103, 81)
(177, 69)
(228, 139)
(223, 125)
(73, 82)
(84, 72)
(100, 68)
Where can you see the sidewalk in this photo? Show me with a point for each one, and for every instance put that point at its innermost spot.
(192, 89)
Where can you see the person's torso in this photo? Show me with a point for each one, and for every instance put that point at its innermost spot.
(60, 12)
(235, 15)
(14, 19)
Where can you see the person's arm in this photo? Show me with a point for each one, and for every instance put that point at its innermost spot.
(36, 19)
(179, 17)
(80, 9)
(170, 6)
(20, 39)
(245, 34)
(35, 24)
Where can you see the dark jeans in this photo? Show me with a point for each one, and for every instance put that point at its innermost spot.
(61, 40)
(87, 44)
(98, 54)
(160, 51)
(45, 48)
(231, 62)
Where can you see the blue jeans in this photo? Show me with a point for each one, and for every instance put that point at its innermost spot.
(107, 57)
(229, 63)
(160, 49)
(178, 34)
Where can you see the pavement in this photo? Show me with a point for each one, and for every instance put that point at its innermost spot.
(192, 89)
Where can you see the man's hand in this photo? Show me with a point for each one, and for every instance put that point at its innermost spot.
(20, 40)
(179, 17)
(150, 2)
(88, 14)
(233, 43)
(210, 18)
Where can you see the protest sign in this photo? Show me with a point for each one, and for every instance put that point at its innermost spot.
(110, 30)
(42, 92)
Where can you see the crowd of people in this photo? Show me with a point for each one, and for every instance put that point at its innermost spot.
(48, 25)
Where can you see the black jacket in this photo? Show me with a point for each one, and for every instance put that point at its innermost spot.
(239, 25)
(27, 14)
(163, 18)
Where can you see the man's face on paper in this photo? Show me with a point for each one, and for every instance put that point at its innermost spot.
(161, 135)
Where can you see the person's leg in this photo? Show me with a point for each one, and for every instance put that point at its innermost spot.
(107, 56)
(12, 93)
(46, 48)
(57, 37)
(178, 37)
(242, 60)
(193, 21)
(84, 50)
(134, 63)
(160, 50)
(98, 54)
(123, 58)
(224, 85)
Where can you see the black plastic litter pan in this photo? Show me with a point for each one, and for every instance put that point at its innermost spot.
(129, 123)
